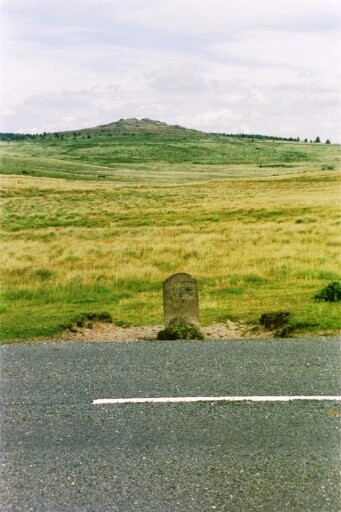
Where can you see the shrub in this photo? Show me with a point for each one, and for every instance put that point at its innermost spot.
(87, 320)
(275, 319)
(178, 329)
(331, 292)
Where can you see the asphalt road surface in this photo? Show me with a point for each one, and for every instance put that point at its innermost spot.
(60, 452)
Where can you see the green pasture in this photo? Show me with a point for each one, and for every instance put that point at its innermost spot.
(138, 152)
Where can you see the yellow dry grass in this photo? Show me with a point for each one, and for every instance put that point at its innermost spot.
(253, 244)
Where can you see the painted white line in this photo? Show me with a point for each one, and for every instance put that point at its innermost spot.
(183, 399)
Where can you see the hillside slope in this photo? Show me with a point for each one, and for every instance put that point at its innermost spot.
(129, 148)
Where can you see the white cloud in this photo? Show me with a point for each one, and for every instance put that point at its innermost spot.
(221, 16)
(220, 65)
(307, 50)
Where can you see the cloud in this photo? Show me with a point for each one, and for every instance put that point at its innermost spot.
(179, 80)
(220, 65)
(221, 16)
(300, 50)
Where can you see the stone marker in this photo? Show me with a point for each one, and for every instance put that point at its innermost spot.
(181, 299)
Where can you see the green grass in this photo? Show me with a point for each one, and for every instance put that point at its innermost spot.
(146, 151)
(257, 223)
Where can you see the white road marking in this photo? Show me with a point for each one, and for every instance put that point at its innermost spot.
(183, 399)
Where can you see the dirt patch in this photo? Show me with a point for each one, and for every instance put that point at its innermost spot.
(111, 333)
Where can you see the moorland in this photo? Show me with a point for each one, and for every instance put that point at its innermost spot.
(94, 220)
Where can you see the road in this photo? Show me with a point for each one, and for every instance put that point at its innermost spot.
(60, 452)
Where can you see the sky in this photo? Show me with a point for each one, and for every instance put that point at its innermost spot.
(231, 66)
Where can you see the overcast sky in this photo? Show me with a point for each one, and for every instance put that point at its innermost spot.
(253, 66)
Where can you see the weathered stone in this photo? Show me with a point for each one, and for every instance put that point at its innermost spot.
(181, 299)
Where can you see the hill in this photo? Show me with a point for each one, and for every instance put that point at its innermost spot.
(137, 126)
(145, 125)
(124, 148)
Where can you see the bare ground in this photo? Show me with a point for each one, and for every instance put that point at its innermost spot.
(109, 332)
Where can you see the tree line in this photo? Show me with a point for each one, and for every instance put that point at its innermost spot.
(9, 136)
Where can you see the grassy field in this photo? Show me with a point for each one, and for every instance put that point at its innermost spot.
(131, 151)
(258, 228)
